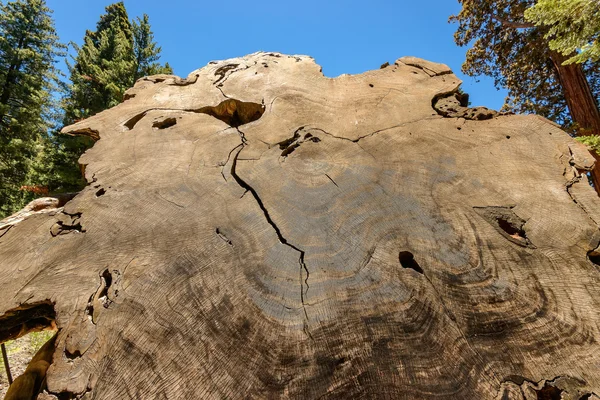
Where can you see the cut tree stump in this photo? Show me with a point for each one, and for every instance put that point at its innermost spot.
(258, 230)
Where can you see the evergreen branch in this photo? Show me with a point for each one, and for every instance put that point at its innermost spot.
(513, 24)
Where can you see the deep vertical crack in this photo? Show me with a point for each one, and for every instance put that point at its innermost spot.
(243, 137)
(568, 186)
(229, 158)
(282, 239)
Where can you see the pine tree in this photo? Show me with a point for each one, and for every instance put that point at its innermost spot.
(99, 76)
(115, 16)
(146, 51)
(28, 48)
(108, 63)
(103, 65)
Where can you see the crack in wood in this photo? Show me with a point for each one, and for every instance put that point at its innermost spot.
(509, 224)
(568, 186)
(331, 179)
(288, 146)
(100, 299)
(272, 223)
(231, 111)
(67, 223)
(357, 140)
(223, 237)
(548, 389)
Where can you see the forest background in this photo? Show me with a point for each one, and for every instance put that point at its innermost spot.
(65, 60)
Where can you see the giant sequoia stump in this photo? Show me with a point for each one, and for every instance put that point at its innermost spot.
(258, 230)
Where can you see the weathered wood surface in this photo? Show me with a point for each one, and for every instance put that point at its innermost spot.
(258, 230)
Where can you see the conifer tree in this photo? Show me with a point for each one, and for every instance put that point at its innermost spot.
(573, 27)
(98, 78)
(115, 14)
(28, 47)
(101, 72)
(108, 63)
(146, 51)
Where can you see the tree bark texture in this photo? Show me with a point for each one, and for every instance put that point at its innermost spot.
(260, 231)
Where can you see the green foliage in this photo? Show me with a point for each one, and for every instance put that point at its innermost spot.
(108, 63)
(592, 142)
(57, 167)
(99, 76)
(573, 27)
(33, 155)
(28, 47)
(115, 16)
(103, 64)
(516, 55)
(146, 51)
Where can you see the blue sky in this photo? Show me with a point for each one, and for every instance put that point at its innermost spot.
(343, 36)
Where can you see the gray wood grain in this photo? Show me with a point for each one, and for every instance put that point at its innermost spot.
(261, 231)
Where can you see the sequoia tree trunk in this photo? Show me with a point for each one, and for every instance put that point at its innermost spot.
(261, 231)
(581, 102)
